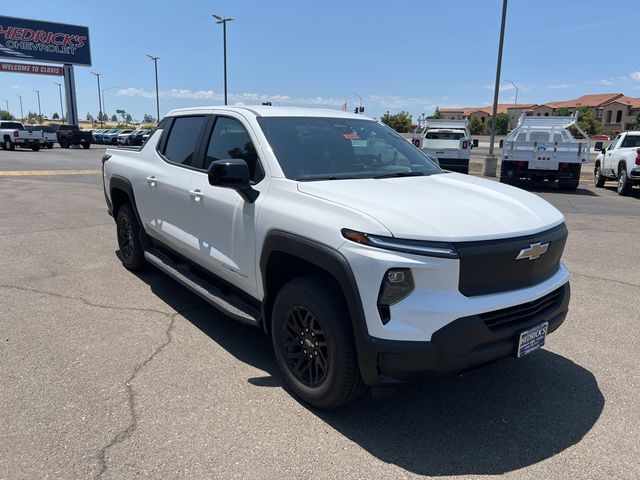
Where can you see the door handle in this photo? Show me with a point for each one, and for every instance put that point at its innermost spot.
(151, 180)
(196, 194)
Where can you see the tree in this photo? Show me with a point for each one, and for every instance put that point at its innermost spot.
(55, 116)
(89, 117)
(400, 122)
(114, 118)
(4, 115)
(476, 127)
(436, 115)
(588, 122)
(149, 118)
(502, 124)
(128, 118)
(561, 112)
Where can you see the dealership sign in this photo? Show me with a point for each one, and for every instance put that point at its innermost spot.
(35, 40)
(31, 68)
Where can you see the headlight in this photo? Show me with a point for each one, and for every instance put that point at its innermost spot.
(397, 284)
(417, 247)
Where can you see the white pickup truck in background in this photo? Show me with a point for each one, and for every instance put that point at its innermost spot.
(447, 140)
(619, 161)
(542, 148)
(13, 134)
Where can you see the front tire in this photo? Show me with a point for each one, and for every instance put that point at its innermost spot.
(35, 148)
(314, 345)
(86, 146)
(598, 179)
(49, 146)
(128, 230)
(623, 183)
(64, 143)
(8, 145)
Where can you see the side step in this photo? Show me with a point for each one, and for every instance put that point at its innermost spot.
(232, 306)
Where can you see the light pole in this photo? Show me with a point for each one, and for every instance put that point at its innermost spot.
(104, 98)
(100, 112)
(155, 65)
(21, 112)
(39, 110)
(60, 92)
(515, 105)
(360, 107)
(223, 21)
(490, 162)
(7, 103)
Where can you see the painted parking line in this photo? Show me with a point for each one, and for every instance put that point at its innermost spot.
(34, 173)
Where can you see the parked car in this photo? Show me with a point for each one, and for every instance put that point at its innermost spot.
(13, 134)
(282, 219)
(447, 140)
(542, 148)
(95, 132)
(620, 162)
(137, 137)
(122, 137)
(48, 134)
(69, 135)
(110, 137)
(99, 136)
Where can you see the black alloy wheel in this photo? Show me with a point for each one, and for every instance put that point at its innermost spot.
(305, 347)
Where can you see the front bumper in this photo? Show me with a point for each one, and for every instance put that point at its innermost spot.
(463, 344)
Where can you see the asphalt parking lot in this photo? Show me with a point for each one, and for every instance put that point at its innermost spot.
(107, 374)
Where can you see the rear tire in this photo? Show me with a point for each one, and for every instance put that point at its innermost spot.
(314, 345)
(128, 231)
(64, 143)
(8, 145)
(49, 146)
(86, 146)
(35, 148)
(623, 182)
(598, 179)
(568, 185)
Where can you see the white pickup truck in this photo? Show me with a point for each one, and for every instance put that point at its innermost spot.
(363, 261)
(447, 140)
(542, 148)
(620, 161)
(13, 134)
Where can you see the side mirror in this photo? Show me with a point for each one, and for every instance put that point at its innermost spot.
(598, 147)
(232, 173)
(501, 143)
(475, 143)
(603, 151)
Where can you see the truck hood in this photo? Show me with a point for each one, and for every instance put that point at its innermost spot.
(445, 207)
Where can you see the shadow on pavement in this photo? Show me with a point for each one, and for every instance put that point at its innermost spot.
(503, 417)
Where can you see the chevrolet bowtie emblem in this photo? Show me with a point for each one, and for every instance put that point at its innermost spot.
(533, 251)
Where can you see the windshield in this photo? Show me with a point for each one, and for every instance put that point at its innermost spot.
(444, 135)
(312, 148)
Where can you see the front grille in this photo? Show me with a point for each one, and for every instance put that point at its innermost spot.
(488, 267)
(511, 317)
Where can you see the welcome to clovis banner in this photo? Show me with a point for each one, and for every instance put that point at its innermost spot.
(35, 40)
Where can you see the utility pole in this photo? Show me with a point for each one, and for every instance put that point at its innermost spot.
(155, 64)
(21, 112)
(60, 92)
(39, 110)
(515, 105)
(100, 112)
(490, 162)
(223, 21)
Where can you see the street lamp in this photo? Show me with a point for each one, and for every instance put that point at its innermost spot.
(223, 21)
(515, 105)
(39, 110)
(60, 92)
(490, 162)
(104, 98)
(100, 112)
(155, 64)
(21, 112)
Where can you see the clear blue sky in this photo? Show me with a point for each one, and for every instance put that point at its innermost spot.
(409, 55)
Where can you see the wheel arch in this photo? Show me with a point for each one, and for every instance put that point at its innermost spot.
(121, 192)
(622, 165)
(286, 256)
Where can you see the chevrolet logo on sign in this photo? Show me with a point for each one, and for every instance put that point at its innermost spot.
(533, 251)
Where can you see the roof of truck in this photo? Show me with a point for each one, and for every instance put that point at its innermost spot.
(270, 111)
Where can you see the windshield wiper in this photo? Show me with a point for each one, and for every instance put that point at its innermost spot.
(399, 174)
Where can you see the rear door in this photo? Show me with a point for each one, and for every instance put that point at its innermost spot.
(164, 202)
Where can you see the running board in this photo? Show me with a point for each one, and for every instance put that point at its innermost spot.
(229, 305)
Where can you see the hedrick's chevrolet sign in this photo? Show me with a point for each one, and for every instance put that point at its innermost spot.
(35, 40)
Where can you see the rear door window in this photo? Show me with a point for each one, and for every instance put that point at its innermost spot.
(183, 140)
